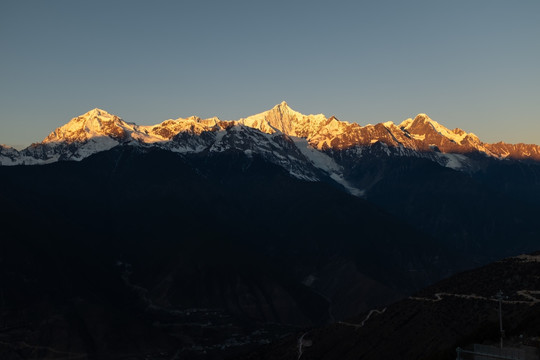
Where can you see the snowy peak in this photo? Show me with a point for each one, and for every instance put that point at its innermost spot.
(95, 123)
(424, 128)
(96, 112)
(282, 106)
(8, 155)
(283, 118)
(422, 124)
(290, 122)
(283, 110)
(280, 118)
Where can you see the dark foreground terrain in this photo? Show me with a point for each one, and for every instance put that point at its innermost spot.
(134, 254)
(148, 255)
(432, 323)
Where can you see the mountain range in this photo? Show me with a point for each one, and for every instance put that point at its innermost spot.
(305, 145)
(202, 238)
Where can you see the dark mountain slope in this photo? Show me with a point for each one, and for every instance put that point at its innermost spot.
(475, 213)
(520, 180)
(135, 253)
(456, 312)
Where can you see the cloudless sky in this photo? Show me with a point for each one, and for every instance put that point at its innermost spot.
(471, 64)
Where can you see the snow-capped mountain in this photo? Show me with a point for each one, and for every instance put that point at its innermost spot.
(9, 155)
(307, 146)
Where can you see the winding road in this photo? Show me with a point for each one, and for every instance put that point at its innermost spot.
(530, 295)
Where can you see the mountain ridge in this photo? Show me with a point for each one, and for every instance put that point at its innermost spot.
(420, 134)
(309, 147)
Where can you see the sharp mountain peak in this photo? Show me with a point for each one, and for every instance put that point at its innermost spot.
(96, 112)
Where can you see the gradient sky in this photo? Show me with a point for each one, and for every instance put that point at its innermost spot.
(471, 64)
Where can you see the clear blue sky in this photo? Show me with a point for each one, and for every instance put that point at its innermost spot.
(471, 64)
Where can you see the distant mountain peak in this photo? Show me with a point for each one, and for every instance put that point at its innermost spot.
(420, 120)
(423, 127)
(94, 123)
(282, 108)
(422, 117)
(96, 112)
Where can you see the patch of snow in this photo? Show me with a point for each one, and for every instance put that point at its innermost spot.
(457, 138)
(354, 191)
(317, 158)
(325, 163)
(406, 124)
(454, 161)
